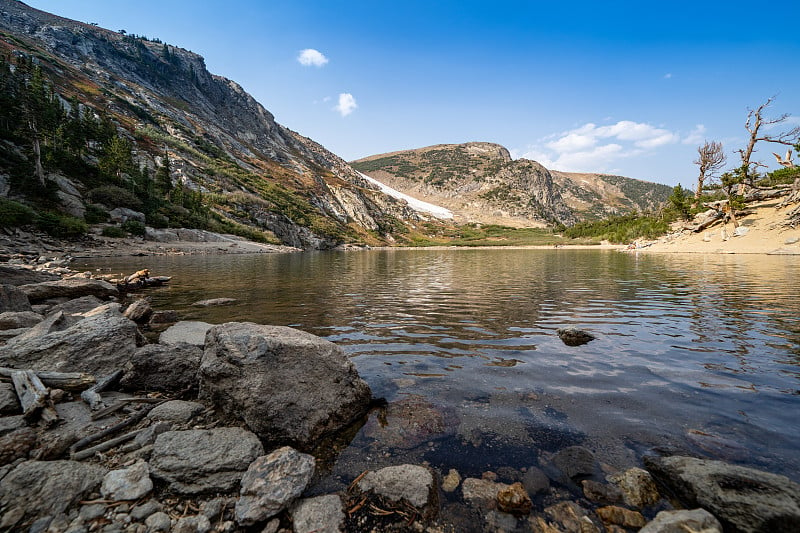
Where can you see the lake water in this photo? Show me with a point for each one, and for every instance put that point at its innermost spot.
(694, 354)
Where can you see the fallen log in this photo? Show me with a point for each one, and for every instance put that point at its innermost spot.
(131, 420)
(58, 380)
(120, 404)
(92, 394)
(34, 397)
(103, 446)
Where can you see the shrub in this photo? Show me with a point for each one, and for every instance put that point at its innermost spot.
(95, 214)
(113, 231)
(61, 226)
(157, 220)
(14, 214)
(134, 227)
(113, 196)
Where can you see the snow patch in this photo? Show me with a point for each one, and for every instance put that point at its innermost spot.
(416, 205)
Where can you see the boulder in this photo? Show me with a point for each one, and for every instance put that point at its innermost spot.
(99, 344)
(47, 488)
(158, 367)
(21, 275)
(203, 461)
(411, 483)
(77, 306)
(19, 319)
(69, 288)
(683, 521)
(17, 445)
(287, 385)
(743, 499)
(637, 486)
(129, 483)
(272, 483)
(322, 514)
(123, 214)
(186, 332)
(574, 337)
(176, 411)
(13, 299)
(139, 311)
(575, 461)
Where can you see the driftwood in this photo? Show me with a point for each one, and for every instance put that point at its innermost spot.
(757, 195)
(103, 446)
(133, 419)
(92, 394)
(34, 397)
(58, 380)
(102, 413)
(141, 280)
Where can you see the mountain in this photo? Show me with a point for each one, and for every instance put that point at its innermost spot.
(479, 182)
(138, 107)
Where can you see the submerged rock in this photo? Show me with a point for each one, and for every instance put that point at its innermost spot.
(287, 385)
(575, 461)
(743, 499)
(322, 514)
(638, 487)
(574, 337)
(411, 483)
(514, 499)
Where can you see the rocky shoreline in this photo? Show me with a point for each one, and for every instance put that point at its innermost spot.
(216, 428)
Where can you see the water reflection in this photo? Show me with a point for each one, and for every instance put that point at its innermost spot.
(692, 351)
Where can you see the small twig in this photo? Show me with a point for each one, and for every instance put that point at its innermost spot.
(358, 506)
(356, 480)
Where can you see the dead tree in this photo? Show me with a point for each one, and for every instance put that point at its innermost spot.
(710, 159)
(755, 125)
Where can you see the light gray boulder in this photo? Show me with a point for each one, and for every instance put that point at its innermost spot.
(129, 483)
(47, 488)
(411, 483)
(13, 298)
(321, 514)
(160, 367)
(272, 483)
(203, 461)
(176, 411)
(683, 521)
(99, 344)
(185, 332)
(123, 214)
(24, 274)
(288, 386)
(743, 499)
(69, 288)
(77, 306)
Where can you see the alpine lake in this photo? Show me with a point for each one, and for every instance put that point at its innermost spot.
(694, 354)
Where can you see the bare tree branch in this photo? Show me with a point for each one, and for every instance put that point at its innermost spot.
(710, 159)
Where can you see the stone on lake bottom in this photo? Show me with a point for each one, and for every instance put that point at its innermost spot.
(683, 521)
(411, 483)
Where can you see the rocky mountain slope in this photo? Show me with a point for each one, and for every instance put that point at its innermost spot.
(217, 143)
(480, 182)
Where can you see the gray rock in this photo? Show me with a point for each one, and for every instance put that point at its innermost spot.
(570, 516)
(214, 302)
(192, 524)
(141, 512)
(203, 461)
(272, 483)
(158, 522)
(22, 275)
(164, 317)
(682, 521)
(322, 514)
(139, 311)
(19, 319)
(69, 288)
(99, 344)
(129, 483)
(7, 334)
(13, 299)
(575, 461)
(91, 511)
(77, 306)
(149, 434)
(743, 499)
(574, 337)
(176, 411)
(11, 423)
(43, 488)
(213, 509)
(638, 487)
(161, 367)
(186, 332)
(481, 493)
(123, 214)
(287, 385)
(535, 480)
(9, 403)
(403, 482)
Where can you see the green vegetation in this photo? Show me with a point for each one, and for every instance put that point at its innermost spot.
(439, 234)
(134, 227)
(621, 229)
(61, 226)
(13, 214)
(113, 231)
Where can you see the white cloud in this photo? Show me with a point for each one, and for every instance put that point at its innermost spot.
(593, 148)
(311, 58)
(696, 136)
(347, 104)
(668, 75)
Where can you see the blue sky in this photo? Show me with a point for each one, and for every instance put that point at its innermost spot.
(630, 88)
